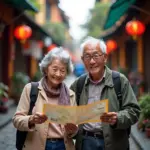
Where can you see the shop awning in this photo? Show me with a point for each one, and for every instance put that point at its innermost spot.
(117, 10)
(22, 4)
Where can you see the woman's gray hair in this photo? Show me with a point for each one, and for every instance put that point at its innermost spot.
(92, 40)
(60, 53)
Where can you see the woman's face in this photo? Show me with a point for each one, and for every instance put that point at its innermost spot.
(56, 72)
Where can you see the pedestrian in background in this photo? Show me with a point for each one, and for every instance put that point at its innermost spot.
(55, 66)
(112, 133)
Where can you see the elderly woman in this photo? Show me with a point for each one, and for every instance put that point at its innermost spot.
(47, 136)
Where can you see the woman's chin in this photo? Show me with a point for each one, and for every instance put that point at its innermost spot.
(55, 84)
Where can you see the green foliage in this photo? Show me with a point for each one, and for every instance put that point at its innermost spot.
(95, 23)
(19, 80)
(122, 70)
(147, 124)
(37, 76)
(57, 31)
(36, 4)
(144, 102)
(3, 90)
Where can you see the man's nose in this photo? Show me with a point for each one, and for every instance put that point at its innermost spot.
(92, 60)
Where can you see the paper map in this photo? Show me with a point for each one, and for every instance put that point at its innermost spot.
(76, 114)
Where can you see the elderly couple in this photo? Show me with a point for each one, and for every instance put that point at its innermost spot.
(109, 134)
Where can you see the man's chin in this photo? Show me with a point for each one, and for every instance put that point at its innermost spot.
(94, 72)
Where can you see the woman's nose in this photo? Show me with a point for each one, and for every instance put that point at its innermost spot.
(58, 73)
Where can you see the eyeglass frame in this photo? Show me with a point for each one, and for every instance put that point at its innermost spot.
(92, 57)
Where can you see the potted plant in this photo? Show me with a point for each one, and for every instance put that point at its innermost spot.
(37, 76)
(136, 81)
(3, 97)
(19, 80)
(144, 103)
(147, 127)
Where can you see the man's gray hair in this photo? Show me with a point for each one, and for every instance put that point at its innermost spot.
(60, 53)
(92, 40)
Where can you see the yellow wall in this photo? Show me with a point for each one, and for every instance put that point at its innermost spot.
(105, 0)
(140, 55)
(122, 58)
(114, 60)
(40, 16)
(55, 17)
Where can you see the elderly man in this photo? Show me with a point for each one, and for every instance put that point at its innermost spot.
(112, 133)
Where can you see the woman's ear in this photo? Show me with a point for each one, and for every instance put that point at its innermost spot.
(45, 71)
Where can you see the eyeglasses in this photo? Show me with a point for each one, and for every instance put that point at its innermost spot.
(95, 56)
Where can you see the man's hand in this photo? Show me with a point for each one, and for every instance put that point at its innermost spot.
(71, 128)
(110, 117)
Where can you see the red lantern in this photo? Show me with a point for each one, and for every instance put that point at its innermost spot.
(111, 46)
(26, 45)
(40, 44)
(23, 32)
(51, 47)
(135, 27)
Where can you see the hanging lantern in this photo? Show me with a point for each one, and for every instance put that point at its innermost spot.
(40, 44)
(111, 46)
(135, 28)
(23, 32)
(51, 47)
(26, 45)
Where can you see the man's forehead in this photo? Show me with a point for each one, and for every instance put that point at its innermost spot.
(92, 46)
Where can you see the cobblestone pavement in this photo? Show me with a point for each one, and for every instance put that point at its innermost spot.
(133, 145)
(8, 136)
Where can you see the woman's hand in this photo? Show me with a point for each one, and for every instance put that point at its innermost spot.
(37, 118)
(71, 129)
(110, 117)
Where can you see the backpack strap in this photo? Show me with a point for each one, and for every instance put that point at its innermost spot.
(117, 86)
(21, 135)
(79, 87)
(33, 95)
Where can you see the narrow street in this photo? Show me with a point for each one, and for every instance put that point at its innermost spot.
(7, 139)
(8, 133)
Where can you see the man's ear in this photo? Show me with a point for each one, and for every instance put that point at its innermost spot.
(105, 58)
(82, 58)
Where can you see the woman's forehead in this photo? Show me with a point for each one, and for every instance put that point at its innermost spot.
(58, 62)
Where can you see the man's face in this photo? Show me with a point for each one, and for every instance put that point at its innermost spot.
(93, 59)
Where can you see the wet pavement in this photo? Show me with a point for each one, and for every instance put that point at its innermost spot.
(8, 137)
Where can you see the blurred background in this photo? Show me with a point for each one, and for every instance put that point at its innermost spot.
(31, 28)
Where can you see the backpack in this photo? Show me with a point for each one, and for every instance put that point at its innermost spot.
(21, 135)
(117, 87)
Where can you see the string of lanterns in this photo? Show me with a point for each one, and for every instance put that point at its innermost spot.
(134, 28)
(24, 32)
